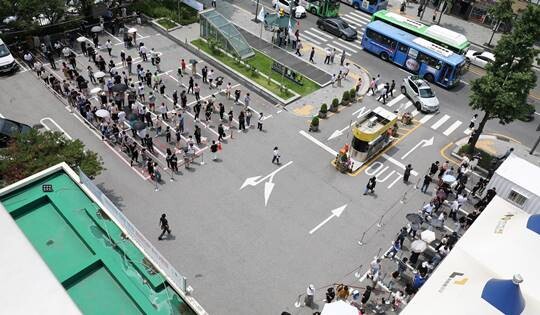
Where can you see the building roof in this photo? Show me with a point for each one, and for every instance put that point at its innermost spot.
(501, 243)
(26, 277)
(521, 172)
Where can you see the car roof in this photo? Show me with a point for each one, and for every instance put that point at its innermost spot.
(488, 54)
(421, 83)
(7, 124)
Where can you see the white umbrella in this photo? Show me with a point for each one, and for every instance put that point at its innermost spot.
(96, 29)
(95, 90)
(449, 179)
(132, 30)
(99, 74)
(339, 308)
(418, 246)
(428, 236)
(103, 113)
(81, 39)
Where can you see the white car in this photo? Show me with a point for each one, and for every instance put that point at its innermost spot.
(300, 11)
(480, 58)
(421, 95)
(7, 62)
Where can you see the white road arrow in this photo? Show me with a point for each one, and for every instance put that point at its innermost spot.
(424, 143)
(338, 133)
(268, 186)
(335, 213)
(360, 112)
(250, 181)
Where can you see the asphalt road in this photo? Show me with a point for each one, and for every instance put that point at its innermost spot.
(254, 249)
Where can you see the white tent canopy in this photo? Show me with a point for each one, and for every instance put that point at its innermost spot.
(497, 246)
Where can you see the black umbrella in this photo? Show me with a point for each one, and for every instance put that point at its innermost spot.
(131, 117)
(414, 218)
(138, 125)
(120, 87)
(193, 61)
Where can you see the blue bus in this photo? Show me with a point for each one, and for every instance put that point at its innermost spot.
(369, 6)
(417, 55)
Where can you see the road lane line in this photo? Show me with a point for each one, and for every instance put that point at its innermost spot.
(346, 47)
(317, 142)
(57, 126)
(350, 21)
(397, 163)
(395, 100)
(315, 35)
(452, 128)
(426, 118)
(320, 33)
(415, 112)
(310, 39)
(440, 122)
(357, 20)
(361, 16)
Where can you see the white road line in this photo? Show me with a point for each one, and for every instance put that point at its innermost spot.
(344, 46)
(407, 105)
(426, 118)
(357, 20)
(339, 49)
(467, 131)
(415, 112)
(452, 128)
(397, 163)
(2, 116)
(317, 142)
(118, 39)
(361, 16)
(395, 100)
(314, 35)
(57, 126)
(320, 33)
(350, 21)
(440, 122)
(310, 39)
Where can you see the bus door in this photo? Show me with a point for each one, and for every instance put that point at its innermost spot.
(400, 56)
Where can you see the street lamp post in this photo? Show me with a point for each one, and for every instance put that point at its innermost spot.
(256, 19)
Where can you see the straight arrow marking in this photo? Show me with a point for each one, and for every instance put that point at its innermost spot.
(335, 213)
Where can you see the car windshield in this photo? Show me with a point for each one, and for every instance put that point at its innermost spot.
(426, 93)
(3, 50)
(8, 127)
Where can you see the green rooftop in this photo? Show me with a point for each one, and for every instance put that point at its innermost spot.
(102, 271)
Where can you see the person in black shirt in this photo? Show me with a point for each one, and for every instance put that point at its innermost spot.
(164, 225)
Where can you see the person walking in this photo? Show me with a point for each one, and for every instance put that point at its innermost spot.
(310, 295)
(164, 225)
(425, 183)
(433, 168)
(241, 121)
(328, 53)
(129, 62)
(197, 135)
(230, 115)
(214, 150)
(311, 55)
(371, 185)
(407, 173)
(109, 45)
(473, 120)
(260, 122)
(391, 90)
(190, 85)
(384, 93)
(214, 4)
(372, 86)
(221, 132)
(275, 158)
(299, 46)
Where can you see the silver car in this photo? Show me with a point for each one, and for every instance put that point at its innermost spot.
(420, 93)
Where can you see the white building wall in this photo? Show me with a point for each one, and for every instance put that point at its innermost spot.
(504, 186)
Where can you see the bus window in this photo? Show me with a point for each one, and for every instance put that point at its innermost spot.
(381, 39)
(428, 60)
(403, 48)
(413, 53)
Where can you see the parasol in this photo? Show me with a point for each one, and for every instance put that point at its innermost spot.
(428, 236)
(414, 218)
(138, 125)
(81, 39)
(132, 30)
(96, 29)
(95, 90)
(120, 87)
(103, 113)
(449, 179)
(418, 246)
(99, 75)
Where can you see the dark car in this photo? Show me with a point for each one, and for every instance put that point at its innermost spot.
(9, 128)
(337, 27)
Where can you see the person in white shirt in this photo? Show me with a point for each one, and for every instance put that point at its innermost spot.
(108, 45)
(142, 52)
(275, 158)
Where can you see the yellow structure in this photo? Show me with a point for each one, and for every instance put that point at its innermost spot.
(372, 134)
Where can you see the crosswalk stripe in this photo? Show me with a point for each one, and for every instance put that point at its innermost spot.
(395, 100)
(346, 42)
(357, 20)
(310, 39)
(346, 47)
(407, 105)
(467, 131)
(350, 21)
(440, 122)
(452, 128)
(426, 118)
(339, 49)
(314, 35)
(320, 33)
(361, 16)
(415, 112)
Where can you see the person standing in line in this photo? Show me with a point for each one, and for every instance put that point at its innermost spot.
(228, 90)
(311, 55)
(204, 74)
(407, 173)
(134, 155)
(260, 122)
(129, 63)
(158, 63)
(197, 91)
(425, 183)
(248, 117)
(342, 60)
(143, 52)
(371, 185)
(221, 132)
(214, 150)
(310, 295)
(164, 225)
(214, 4)
(241, 121)
(197, 110)
(221, 111)
(197, 135)
(299, 46)
(168, 134)
(275, 158)
(247, 100)
(333, 55)
(333, 80)
(338, 79)
(109, 45)
(366, 295)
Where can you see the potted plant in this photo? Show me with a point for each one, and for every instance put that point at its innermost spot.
(334, 106)
(314, 125)
(352, 95)
(345, 98)
(323, 110)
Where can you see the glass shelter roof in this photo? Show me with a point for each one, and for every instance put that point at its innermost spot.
(229, 32)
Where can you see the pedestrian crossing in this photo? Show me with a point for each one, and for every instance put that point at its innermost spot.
(401, 103)
(357, 20)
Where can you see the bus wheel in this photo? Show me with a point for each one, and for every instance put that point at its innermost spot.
(384, 56)
(356, 6)
(429, 77)
(313, 11)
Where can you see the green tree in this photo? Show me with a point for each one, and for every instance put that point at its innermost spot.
(502, 93)
(502, 12)
(30, 153)
(29, 11)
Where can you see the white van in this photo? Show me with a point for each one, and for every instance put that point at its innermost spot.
(7, 62)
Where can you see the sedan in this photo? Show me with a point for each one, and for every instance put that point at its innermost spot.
(299, 11)
(480, 58)
(337, 27)
(9, 128)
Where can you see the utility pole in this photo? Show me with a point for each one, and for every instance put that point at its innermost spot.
(256, 19)
(536, 143)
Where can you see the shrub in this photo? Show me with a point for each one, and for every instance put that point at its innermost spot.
(324, 108)
(352, 94)
(315, 121)
(345, 97)
(335, 102)
(485, 158)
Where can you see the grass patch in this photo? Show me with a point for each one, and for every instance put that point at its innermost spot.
(263, 64)
(485, 158)
(170, 9)
(166, 23)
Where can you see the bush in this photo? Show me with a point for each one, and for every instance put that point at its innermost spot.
(345, 97)
(215, 46)
(335, 103)
(324, 108)
(485, 158)
(352, 94)
(182, 14)
(315, 121)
